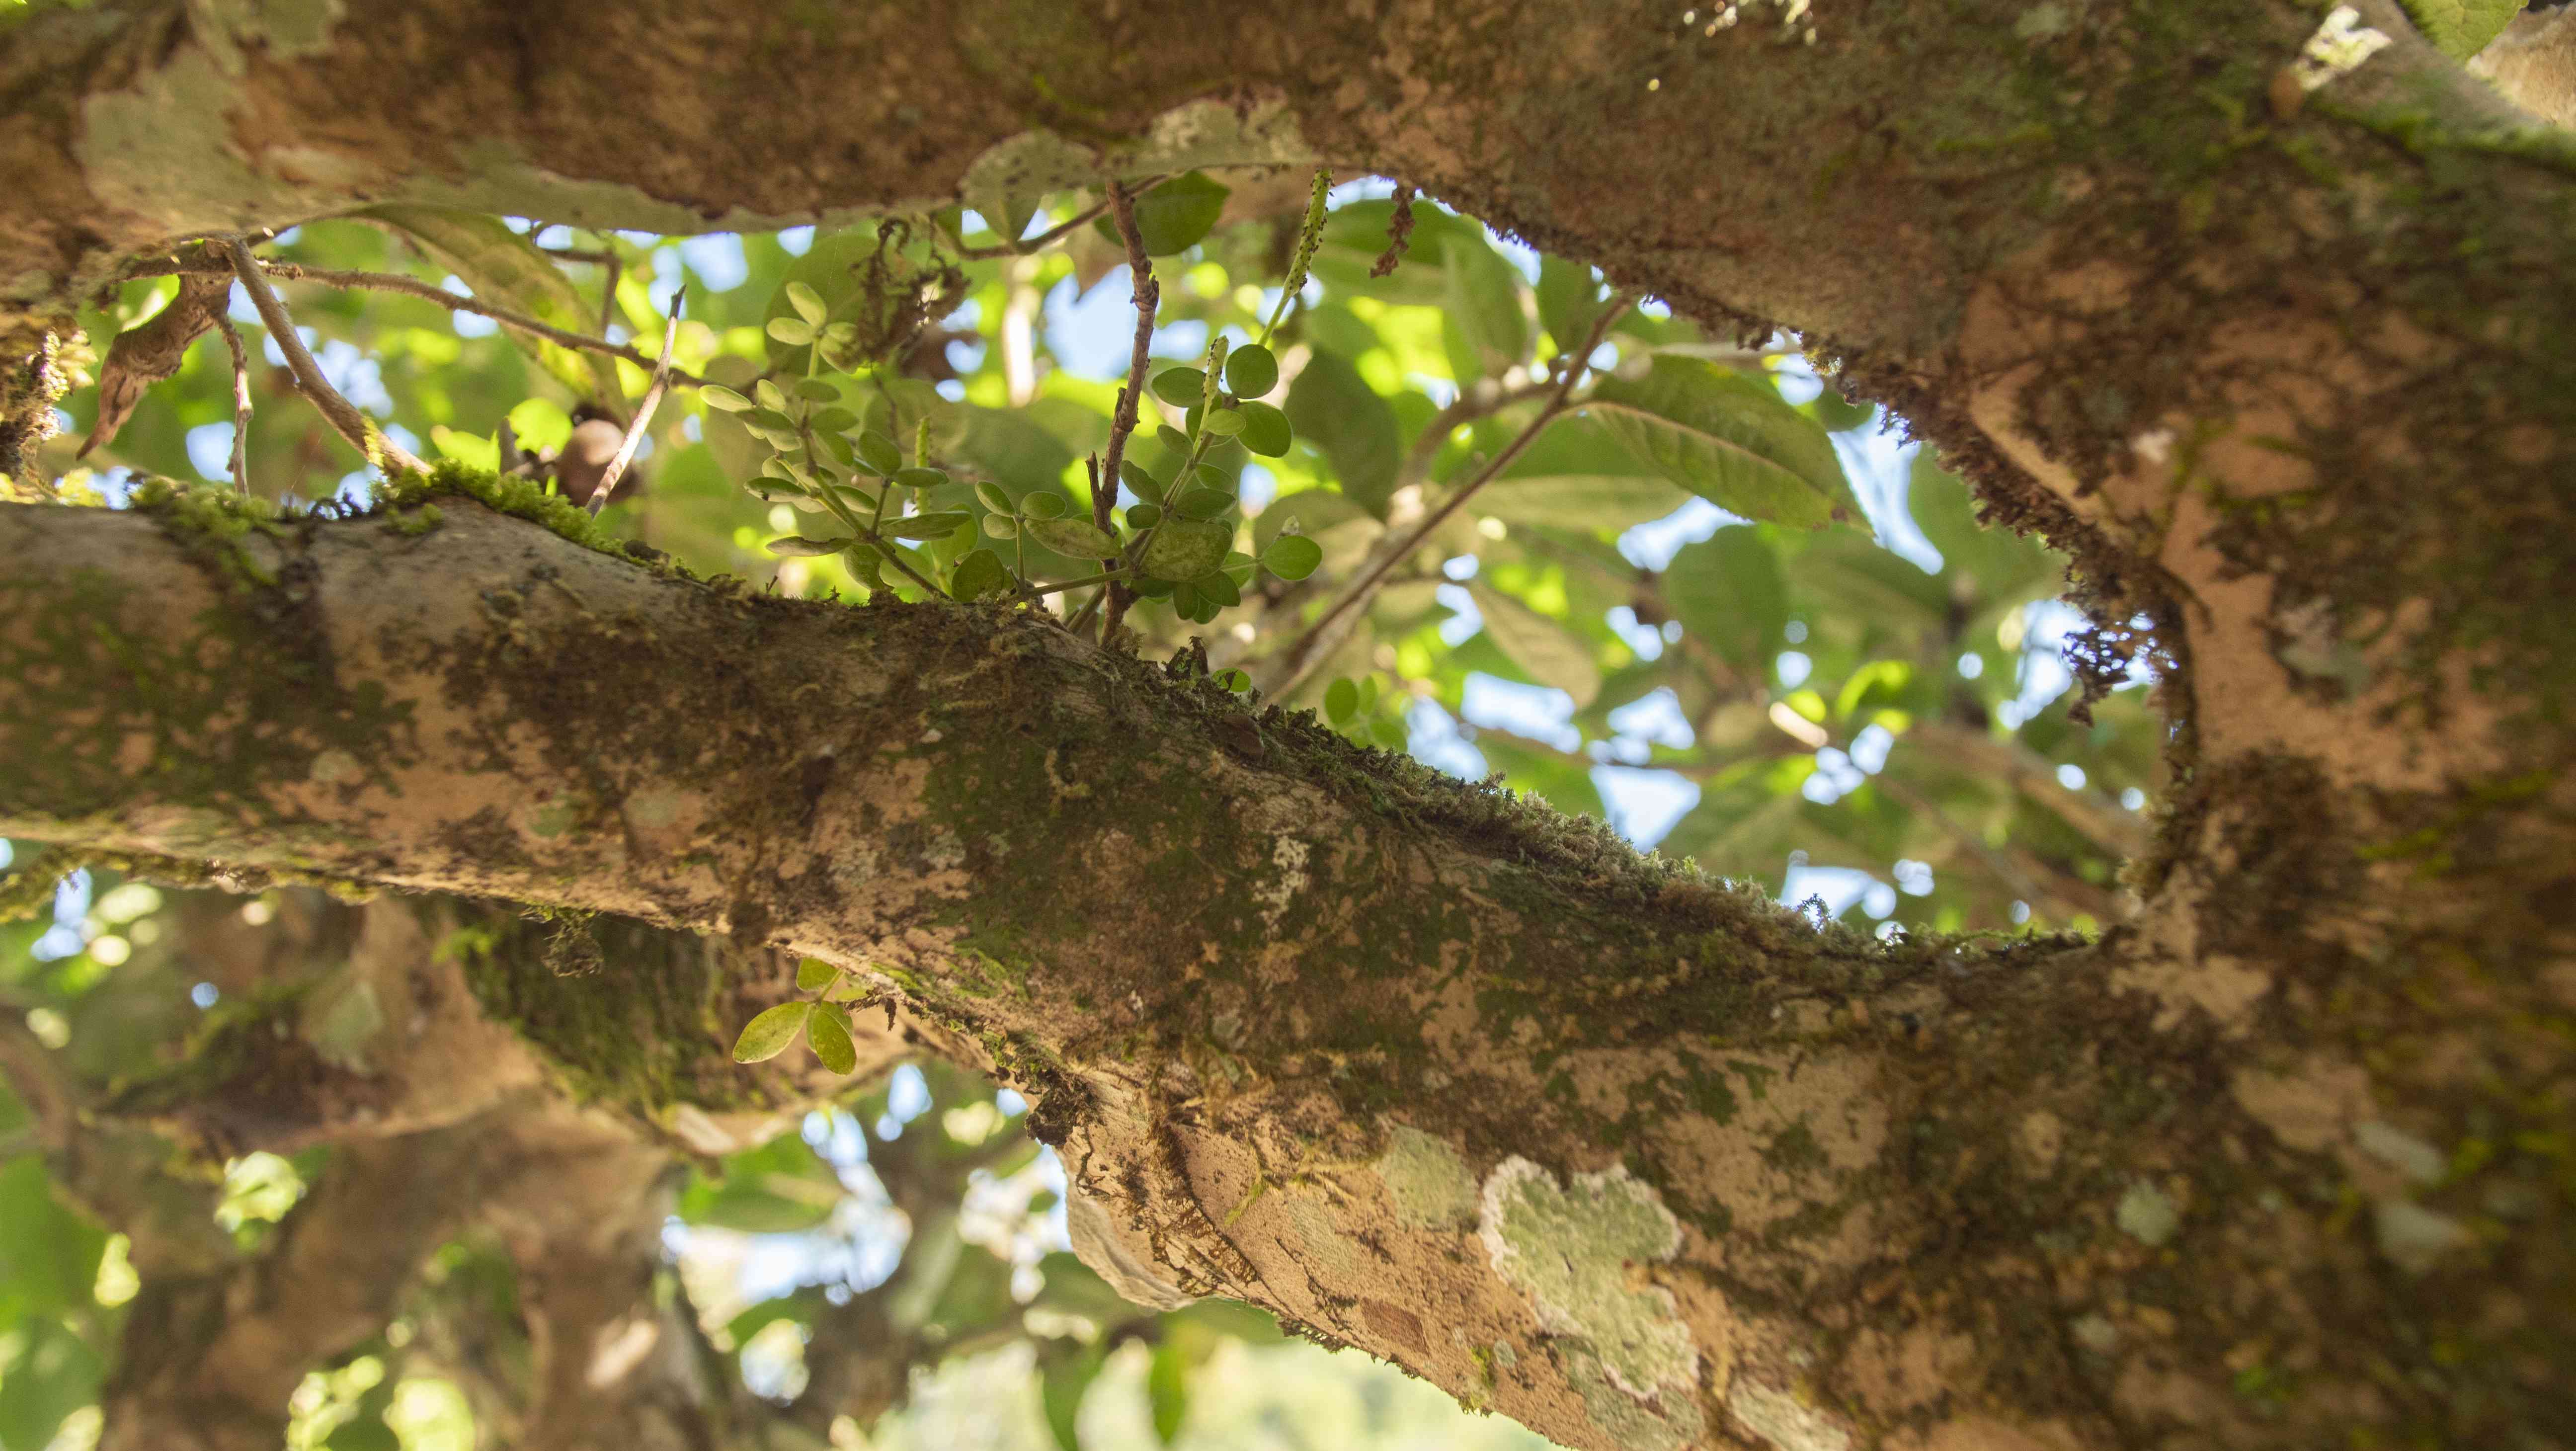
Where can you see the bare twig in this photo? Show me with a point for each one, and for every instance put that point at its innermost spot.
(1329, 630)
(643, 411)
(241, 402)
(414, 287)
(1012, 247)
(365, 437)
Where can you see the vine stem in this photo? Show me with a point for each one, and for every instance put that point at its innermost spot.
(1320, 639)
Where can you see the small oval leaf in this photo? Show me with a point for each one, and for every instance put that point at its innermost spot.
(797, 546)
(1184, 549)
(718, 395)
(1251, 372)
(879, 452)
(933, 525)
(794, 332)
(1079, 538)
(1046, 505)
(1265, 430)
(1180, 387)
(1292, 556)
(767, 1036)
(979, 574)
(1198, 502)
(827, 1032)
(814, 972)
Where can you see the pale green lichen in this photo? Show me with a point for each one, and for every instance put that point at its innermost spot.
(1571, 1250)
(1427, 1182)
(1782, 1419)
(1670, 1422)
(2147, 1214)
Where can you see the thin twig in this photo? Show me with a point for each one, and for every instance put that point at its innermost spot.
(1052, 235)
(1147, 292)
(605, 257)
(414, 287)
(625, 454)
(370, 442)
(1322, 637)
(241, 402)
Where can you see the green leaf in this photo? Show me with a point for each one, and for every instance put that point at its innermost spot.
(808, 304)
(1729, 439)
(795, 332)
(1861, 581)
(719, 396)
(1139, 482)
(1184, 549)
(979, 574)
(827, 1031)
(1180, 387)
(1484, 293)
(820, 390)
(1143, 516)
(1167, 1389)
(46, 1373)
(1174, 216)
(1265, 430)
(814, 972)
(1605, 503)
(1727, 591)
(1336, 410)
(1292, 556)
(1002, 526)
(990, 495)
(767, 1035)
(1569, 300)
(2462, 28)
(779, 1188)
(1061, 1385)
(1251, 372)
(1993, 566)
(919, 478)
(1341, 701)
(1225, 423)
(1200, 502)
(1219, 586)
(1072, 537)
(1045, 506)
(935, 524)
(1546, 649)
(798, 546)
(505, 268)
(879, 453)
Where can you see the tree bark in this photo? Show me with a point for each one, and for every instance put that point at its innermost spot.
(1635, 1158)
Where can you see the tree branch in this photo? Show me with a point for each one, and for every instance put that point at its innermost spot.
(379, 451)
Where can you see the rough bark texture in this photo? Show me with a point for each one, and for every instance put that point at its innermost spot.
(1635, 1159)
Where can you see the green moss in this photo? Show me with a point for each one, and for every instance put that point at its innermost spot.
(639, 1040)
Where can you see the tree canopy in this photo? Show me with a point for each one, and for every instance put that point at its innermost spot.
(666, 815)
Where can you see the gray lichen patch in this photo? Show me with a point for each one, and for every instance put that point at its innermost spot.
(1571, 1249)
(1427, 1182)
